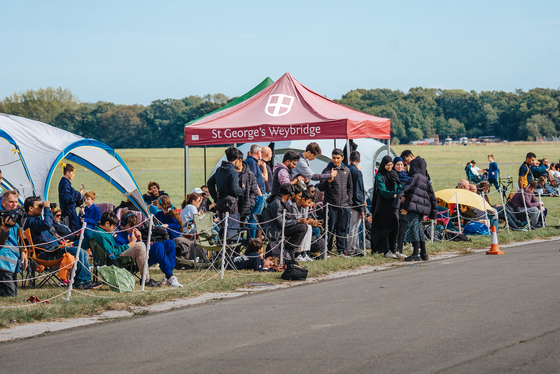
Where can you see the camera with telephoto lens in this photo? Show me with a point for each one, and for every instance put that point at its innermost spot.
(16, 215)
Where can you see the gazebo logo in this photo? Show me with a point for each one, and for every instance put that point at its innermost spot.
(279, 105)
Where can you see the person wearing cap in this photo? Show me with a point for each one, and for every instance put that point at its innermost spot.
(207, 205)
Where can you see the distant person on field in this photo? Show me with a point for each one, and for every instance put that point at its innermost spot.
(68, 198)
(525, 175)
(224, 183)
(493, 172)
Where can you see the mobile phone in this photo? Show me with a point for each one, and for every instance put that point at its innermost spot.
(82, 186)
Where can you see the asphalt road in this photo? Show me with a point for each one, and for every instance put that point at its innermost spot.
(472, 314)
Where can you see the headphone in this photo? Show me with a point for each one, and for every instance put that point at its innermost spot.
(123, 220)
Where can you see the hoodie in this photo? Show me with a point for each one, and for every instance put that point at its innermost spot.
(225, 182)
(247, 200)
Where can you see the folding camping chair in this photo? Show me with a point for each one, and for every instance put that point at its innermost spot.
(101, 258)
(26, 275)
(37, 265)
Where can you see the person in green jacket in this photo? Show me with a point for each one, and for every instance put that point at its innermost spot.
(103, 234)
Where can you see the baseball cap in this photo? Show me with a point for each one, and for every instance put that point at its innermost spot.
(197, 190)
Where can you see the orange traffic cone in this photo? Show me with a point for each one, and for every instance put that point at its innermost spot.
(494, 248)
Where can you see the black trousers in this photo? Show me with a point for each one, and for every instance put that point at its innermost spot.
(338, 224)
(8, 286)
(294, 235)
(400, 235)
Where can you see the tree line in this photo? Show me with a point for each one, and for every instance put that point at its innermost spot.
(420, 113)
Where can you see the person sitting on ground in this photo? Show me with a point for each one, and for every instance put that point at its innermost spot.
(50, 246)
(252, 259)
(224, 183)
(540, 168)
(90, 214)
(190, 207)
(10, 254)
(294, 229)
(60, 228)
(153, 193)
(271, 264)
(493, 172)
(69, 198)
(543, 188)
(132, 247)
(303, 204)
(302, 166)
(525, 175)
(162, 253)
(534, 207)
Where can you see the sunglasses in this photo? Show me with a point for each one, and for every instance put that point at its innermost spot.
(58, 215)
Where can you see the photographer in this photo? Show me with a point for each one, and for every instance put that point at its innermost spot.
(53, 247)
(69, 198)
(9, 252)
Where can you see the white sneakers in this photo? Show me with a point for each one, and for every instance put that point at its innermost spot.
(400, 255)
(305, 258)
(172, 282)
(390, 255)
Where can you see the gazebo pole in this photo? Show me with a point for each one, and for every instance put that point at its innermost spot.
(389, 147)
(205, 179)
(187, 178)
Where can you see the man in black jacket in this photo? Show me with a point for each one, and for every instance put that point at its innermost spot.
(224, 183)
(358, 204)
(338, 194)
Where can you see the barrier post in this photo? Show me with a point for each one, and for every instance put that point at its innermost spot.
(76, 260)
(504, 208)
(226, 219)
(433, 233)
(458, 210)
(364, 234)
(147, 250)
(326, 231)
(282, 238)
(525, 205)
(542, 211)
(485, 210)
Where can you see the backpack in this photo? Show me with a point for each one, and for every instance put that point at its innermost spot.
(294, 272)
(476, 228)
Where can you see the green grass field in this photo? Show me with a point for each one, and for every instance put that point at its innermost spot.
(445, 165)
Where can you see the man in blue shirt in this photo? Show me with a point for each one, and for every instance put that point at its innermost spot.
(9, 251)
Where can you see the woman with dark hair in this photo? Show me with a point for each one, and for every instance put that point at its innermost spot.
(398, 166)
(385, 219)
(418, 199)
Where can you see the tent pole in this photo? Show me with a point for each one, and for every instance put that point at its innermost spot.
(205, 179)
(347, 152)
(187, 179)
(389, 147)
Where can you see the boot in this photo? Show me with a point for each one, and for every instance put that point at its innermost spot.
(423, 253)
(414, 256)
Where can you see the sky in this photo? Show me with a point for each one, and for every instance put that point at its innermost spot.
(134, 52)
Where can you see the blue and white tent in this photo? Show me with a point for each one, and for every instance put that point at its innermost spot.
(31, 150)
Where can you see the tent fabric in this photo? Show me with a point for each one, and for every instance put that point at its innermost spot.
(31, 151)
(371, 153)
(258, 88)
(285, 110)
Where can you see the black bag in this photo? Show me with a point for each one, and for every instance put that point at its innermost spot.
(456, 237)
(294, 272)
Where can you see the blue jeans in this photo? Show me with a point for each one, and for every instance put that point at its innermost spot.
(164, 254)
(257, 209)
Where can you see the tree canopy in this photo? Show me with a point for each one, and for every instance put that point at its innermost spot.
(417, 114)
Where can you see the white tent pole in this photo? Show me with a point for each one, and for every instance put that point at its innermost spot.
(389, 147)
(73, 274)
(224, 245)
(187, 176)
(147, 250)
(364, 234)
(484, 202)
(525, 205)
(347, 151)
(458, 211)
(504, 208)
(542, 212)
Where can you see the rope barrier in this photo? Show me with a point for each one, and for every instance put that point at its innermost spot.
(32, 304)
